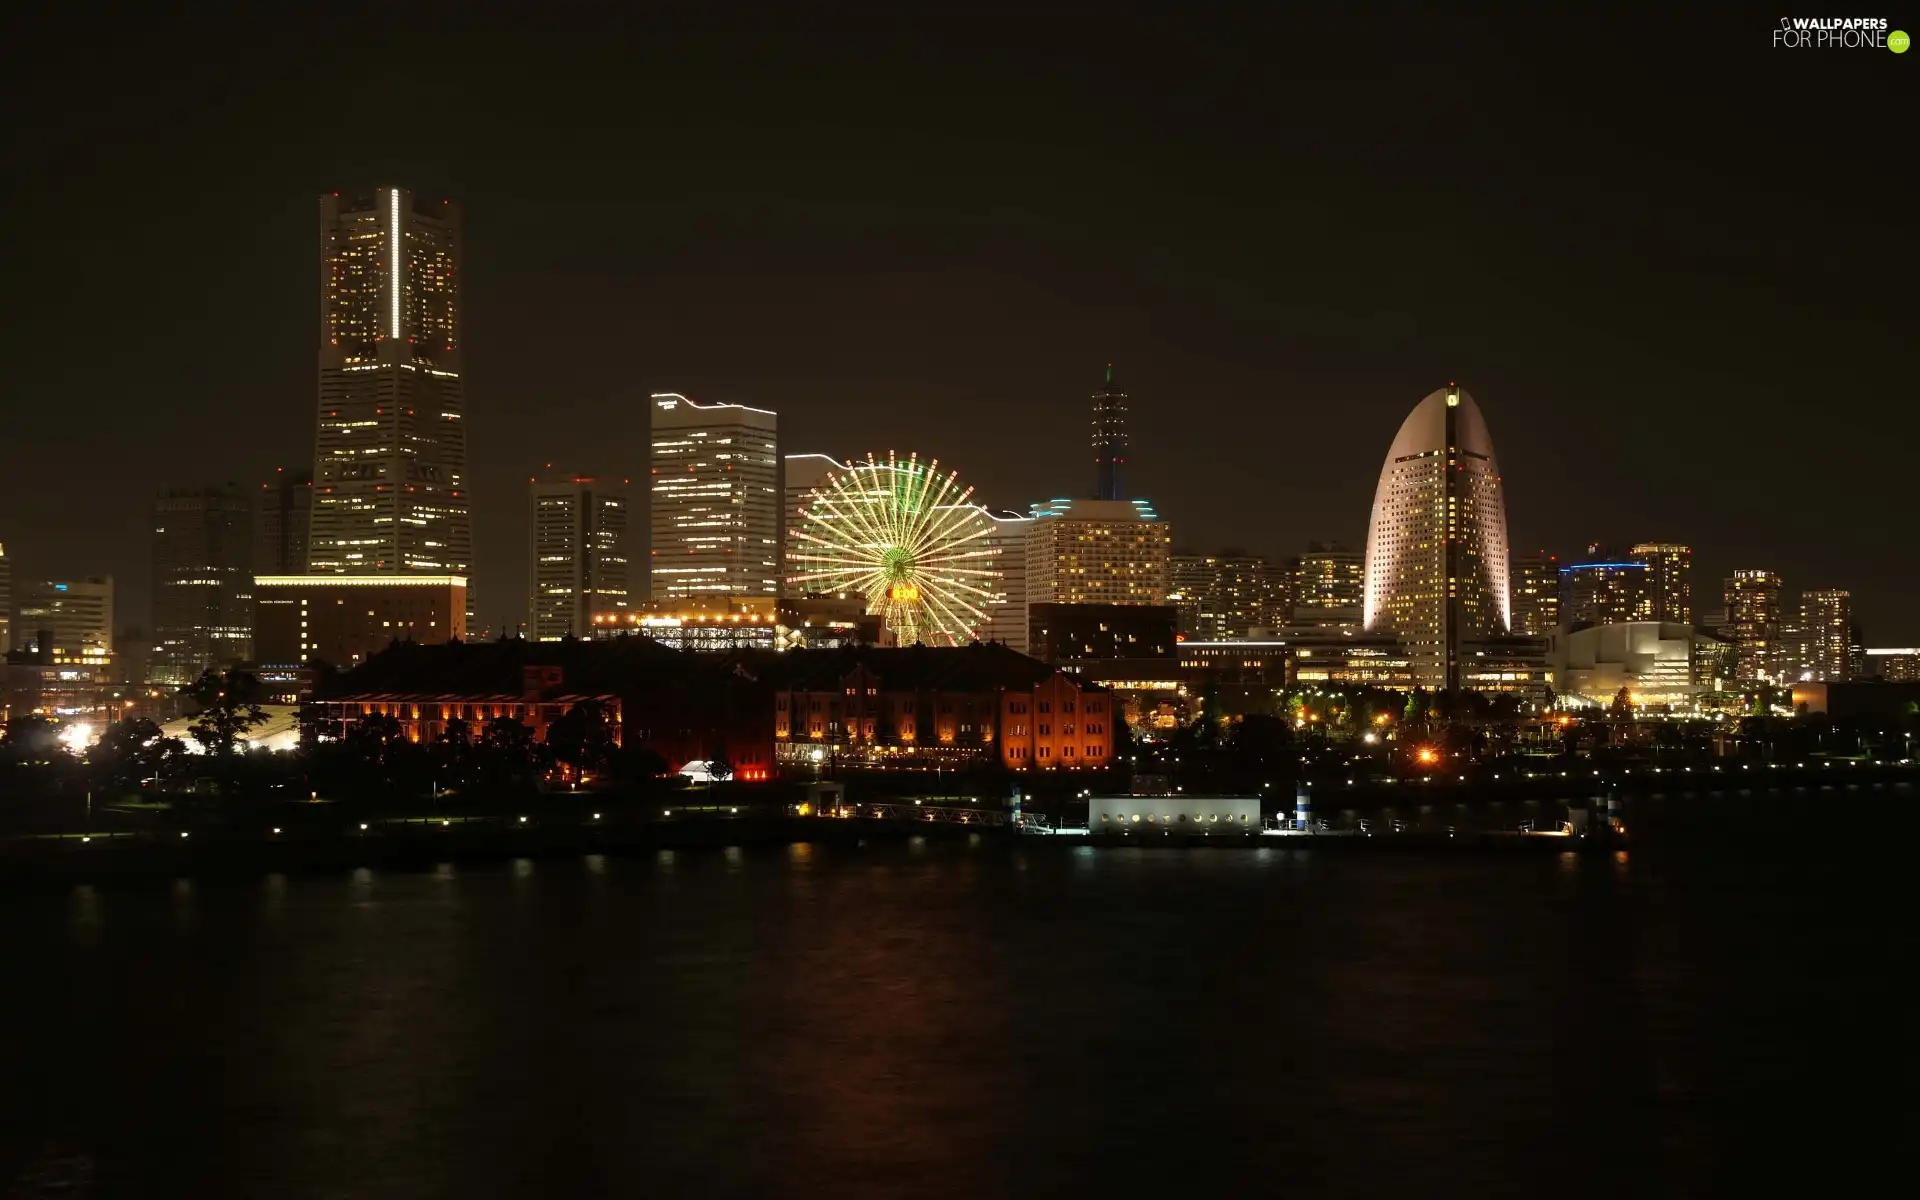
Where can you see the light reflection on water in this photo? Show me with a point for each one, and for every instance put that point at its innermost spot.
(883, 1021)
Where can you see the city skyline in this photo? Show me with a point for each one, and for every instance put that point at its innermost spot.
(1256, 398)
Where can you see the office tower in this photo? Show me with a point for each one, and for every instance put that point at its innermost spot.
(202, 581)
(1220, 596)
(1535, 586)
(1894, 664)
(1753, 623)
(282, 510)
(1329, 586)
(1097, 552)
(133, 653)
(342, 620)
(1189, 582)
(1007, 610)
(1604, 587)
(390, 455)
(1437, 538)
(800, 475)
(579, 554)
(1826, 629)
(6, 600)
(715, 485)
(76, 613)
(1109, 440)
(1669, 581)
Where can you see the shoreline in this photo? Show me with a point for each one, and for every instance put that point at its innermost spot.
(417, 843)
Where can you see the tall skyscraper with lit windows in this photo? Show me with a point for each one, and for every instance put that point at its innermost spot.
(203, 570)
(1753, 620)
(390, 452)
(1437, 555)
(1826, 628)
(579, 554)
(1669, 579)
(1098, 552)
(716, 499)
(1533, 588)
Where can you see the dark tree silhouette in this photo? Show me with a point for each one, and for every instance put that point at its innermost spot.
(583, 738)
(227, 708)
(131, 752)
(32, 739)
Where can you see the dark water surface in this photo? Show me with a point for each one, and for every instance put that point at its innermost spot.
(954, 1020)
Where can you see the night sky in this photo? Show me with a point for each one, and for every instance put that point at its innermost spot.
(1673, 264)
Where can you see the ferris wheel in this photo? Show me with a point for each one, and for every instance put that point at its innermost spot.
(906, 537)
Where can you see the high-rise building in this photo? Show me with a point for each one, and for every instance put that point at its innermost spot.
(6, 600)
(1895, 664)
(1007, 609)
(1604, 587)
(800, 475)
(715, 487)
(1097, 552)
(300, 620)
(1535, 588)
(390, 456)
(1753, 624)
(1109, 440)
(1329, 587)
(1221, 596)
(76, 613)
(282, 509)
(1436, 566)
(1825, 635)
(1669, 580)
(202, 581)
(579, 554)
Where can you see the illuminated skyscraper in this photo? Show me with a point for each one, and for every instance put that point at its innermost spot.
(6, 600)
(76, 613)
(202, 582)
(1669, 580)
(1109, 439)
(1007, 611)
(1535, 592)
(1329, 586)
(800, 474)
(1605, 587)
(282, 511)
(716, 499)
(579, 554)
(1825, 629)
(1222, 596)
(390, 456)
(1437, 539)
(1753, 624)
(1097, 552)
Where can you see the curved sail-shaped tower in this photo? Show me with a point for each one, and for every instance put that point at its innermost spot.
(1436, 567)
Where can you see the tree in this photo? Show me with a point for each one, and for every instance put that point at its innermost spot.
(32, 739)
(454, 752)
(583, 738)
(506, 749)
(131, 752)
(227, 708)
(373, 742)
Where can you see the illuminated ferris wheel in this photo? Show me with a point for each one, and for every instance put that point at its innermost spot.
(905, 537)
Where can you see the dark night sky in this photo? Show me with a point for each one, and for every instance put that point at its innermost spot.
(1674, 265)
